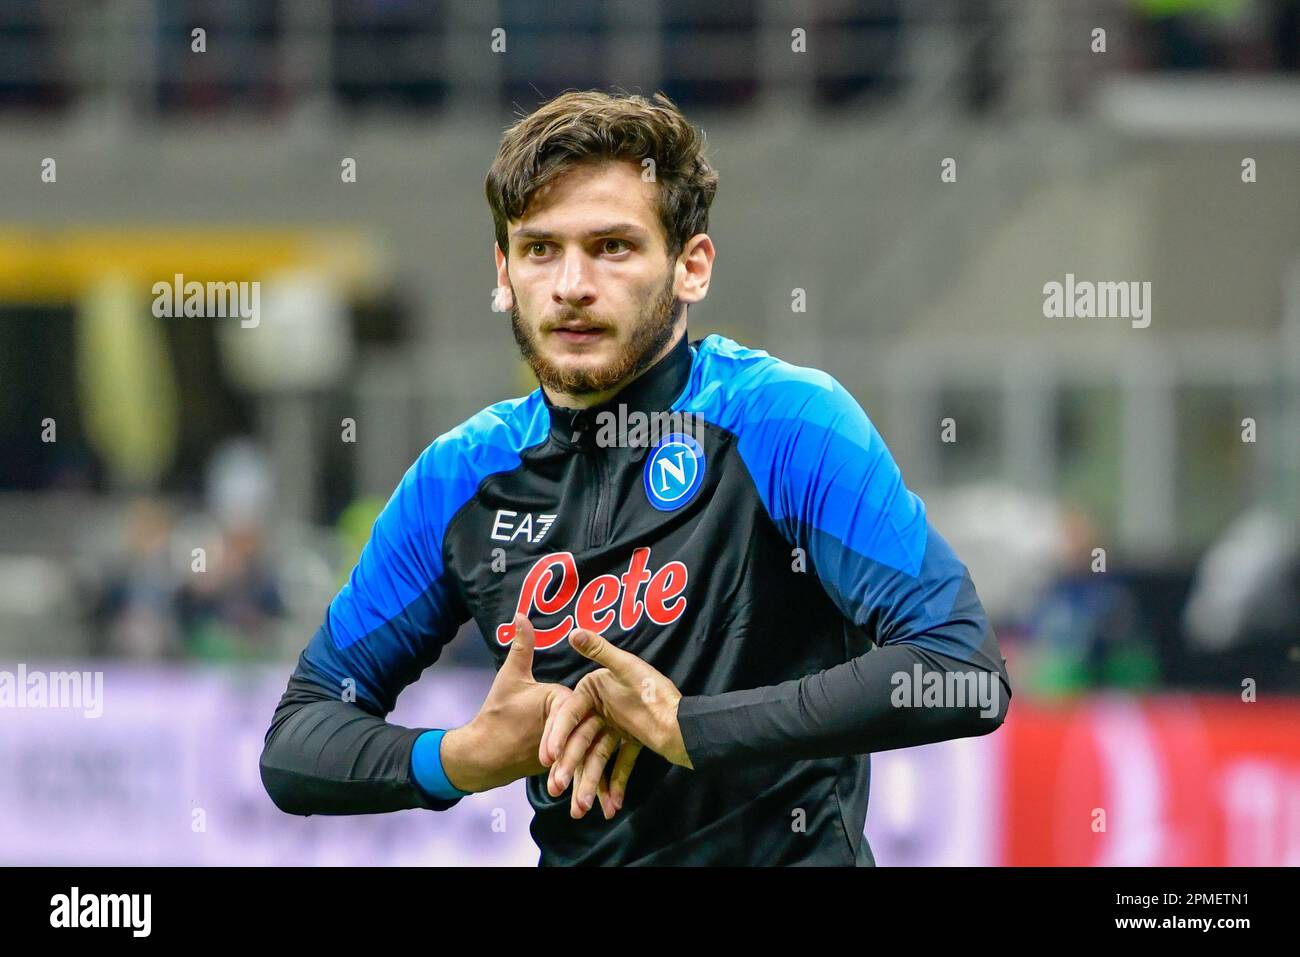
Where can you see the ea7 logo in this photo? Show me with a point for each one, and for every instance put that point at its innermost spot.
(505, 529)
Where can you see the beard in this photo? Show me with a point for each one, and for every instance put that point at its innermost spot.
(652, 332)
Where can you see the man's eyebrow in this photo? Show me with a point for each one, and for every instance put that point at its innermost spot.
(629, 229)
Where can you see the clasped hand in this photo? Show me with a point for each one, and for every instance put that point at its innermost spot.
(611, 715)
(626, 704)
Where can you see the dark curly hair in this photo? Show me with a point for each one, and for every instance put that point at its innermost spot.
(579, 127)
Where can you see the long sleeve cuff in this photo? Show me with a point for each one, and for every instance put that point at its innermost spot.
(427, 770)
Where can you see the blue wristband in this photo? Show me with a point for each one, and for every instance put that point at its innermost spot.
(426, 768)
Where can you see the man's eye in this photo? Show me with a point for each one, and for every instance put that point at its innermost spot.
(538, 247)
(616, 242)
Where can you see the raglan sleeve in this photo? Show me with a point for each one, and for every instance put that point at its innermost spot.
(329, 749)
(934, 670)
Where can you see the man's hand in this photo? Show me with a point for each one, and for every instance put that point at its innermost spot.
(626, 699)
(501, 744)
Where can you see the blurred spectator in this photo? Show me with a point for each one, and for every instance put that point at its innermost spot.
(230, 610)
(1087, 628)
(135, 614)
(229, 605)
(1243, 613)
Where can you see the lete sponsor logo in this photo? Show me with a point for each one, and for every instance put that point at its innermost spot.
(551, 585)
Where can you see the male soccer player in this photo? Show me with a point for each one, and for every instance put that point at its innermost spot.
(690, 559)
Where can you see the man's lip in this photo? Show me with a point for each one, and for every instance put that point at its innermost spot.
(576, 337)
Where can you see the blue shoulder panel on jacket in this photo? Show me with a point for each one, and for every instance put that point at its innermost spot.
(396, 611)
(830, 485)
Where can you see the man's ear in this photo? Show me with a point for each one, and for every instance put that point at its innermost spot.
(697, 258)
(504, 297)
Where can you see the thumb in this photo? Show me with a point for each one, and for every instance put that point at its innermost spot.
(593, 646)
(519, 659)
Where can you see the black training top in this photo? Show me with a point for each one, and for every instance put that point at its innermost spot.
(735, 521)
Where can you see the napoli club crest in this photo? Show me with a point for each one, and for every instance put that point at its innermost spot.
(674, 471)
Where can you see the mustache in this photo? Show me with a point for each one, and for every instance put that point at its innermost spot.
(574, 319)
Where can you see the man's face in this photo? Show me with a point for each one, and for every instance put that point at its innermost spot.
(594, 293)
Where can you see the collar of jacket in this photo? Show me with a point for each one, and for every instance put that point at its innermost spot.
(654, 390)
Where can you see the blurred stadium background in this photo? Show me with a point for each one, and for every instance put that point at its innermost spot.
(924, 298)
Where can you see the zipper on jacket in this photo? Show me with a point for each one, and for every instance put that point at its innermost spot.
(597, 529)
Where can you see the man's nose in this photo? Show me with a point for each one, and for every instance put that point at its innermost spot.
(574, 283)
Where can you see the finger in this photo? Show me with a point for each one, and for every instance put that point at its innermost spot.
(607, 806)
(519, 659)
(563, 771)
(559, 695)
(592, 771)
(543, 748)
(622, 771)
(569, 715)
(569, 762)
(573, 795)
(593, 646)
